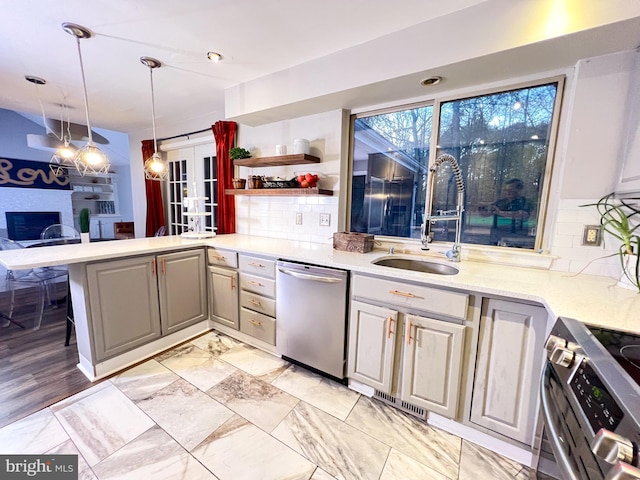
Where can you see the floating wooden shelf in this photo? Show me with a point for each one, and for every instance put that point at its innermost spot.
(279, 191)
(295, 159)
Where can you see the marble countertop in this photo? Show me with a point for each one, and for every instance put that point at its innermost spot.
(591, 299)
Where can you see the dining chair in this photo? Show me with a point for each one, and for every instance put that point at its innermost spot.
(59, 230)
(41, 280)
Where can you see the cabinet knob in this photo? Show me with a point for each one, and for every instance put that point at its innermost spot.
(612, 447)
(623, 471)
(562, 357)
(554, 342)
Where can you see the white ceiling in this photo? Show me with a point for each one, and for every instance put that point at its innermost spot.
(256, 38)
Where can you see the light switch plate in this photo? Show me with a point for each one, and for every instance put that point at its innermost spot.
(325, 219)
(592, 235)
(298, 218)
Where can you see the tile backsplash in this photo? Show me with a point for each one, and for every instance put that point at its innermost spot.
(276, 217)
(567, 242)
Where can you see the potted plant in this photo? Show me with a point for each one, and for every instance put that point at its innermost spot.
(85, 215)
(237, 152)
(618, 219)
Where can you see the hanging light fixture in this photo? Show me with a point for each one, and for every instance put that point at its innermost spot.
(89, 159)
(64, 157)
(155, 168)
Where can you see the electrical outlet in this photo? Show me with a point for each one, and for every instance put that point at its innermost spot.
(325, 219)
(298, 218)
(592, 235)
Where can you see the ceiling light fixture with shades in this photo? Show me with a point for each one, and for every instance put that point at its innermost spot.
(155, 168)
(63, 157)
(89, 160)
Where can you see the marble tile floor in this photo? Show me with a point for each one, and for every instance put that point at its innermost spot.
(215, 408)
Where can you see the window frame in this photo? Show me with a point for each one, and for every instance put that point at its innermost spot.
(436, 100)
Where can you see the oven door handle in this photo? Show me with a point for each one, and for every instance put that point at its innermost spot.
(554, 436)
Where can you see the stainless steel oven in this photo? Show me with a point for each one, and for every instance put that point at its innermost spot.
(590, 402)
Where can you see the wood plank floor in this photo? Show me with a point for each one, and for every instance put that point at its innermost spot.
(36, 369)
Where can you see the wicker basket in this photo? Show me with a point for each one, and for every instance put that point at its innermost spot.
(239, 183)
(353, 242)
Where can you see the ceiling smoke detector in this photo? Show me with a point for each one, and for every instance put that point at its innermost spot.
(430, 81)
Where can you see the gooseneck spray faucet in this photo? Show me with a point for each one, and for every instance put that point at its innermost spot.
(444, 215)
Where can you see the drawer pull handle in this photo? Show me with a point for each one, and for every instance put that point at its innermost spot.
(254, 264)
(164, 267)
(219, 257)
(255, 302)
(153, 262)
(389, 332)
(409, 333)
(233, 283)
(256, 283)
(257, 324)
(402, 294)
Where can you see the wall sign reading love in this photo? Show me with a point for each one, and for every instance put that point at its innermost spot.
(29, 174)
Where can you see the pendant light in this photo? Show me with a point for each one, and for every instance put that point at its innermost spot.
(155, 168)
(89, 160)
(64, 157)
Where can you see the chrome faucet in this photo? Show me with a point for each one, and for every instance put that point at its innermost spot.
(444, 215)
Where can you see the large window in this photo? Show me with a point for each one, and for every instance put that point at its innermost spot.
(502, 144)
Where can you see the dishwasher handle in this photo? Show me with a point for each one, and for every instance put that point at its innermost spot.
(308, 276)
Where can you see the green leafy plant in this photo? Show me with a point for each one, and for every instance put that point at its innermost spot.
(238, 152)
(85, 214)
(616, 218)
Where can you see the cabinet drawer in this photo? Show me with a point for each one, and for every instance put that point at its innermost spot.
(258, 326)
(410, 296)
(223, 258)
(256, 284)
(258, 303)
(258, 266)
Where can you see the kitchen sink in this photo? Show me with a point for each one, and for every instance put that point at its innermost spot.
(425, 266)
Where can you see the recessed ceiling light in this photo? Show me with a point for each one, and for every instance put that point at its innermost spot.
(214, 56)
(430, 81)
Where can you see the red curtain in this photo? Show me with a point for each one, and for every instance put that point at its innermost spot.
(224, 133)
(155, 207)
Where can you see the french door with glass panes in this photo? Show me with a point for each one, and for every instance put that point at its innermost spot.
(192, 173)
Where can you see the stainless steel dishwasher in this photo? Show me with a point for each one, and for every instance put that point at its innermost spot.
(311, 311)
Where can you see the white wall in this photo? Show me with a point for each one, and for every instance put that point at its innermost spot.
(276, 216)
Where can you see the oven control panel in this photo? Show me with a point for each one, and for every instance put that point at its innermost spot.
(600, 409)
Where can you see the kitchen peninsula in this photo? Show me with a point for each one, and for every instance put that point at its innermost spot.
(591, 299)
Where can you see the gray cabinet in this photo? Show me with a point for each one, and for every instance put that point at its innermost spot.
(508, 368)
(257, 297)
(372, 341)
(402, 354)
(223, 287)
(182, 287)
(432, 361)
(223, 296)
(136, 300)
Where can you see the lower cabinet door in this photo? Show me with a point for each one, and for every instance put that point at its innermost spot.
(508, 368)
(223, 296)
(182, 284)
(123, 301)
(432, 364)
(372, 338)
